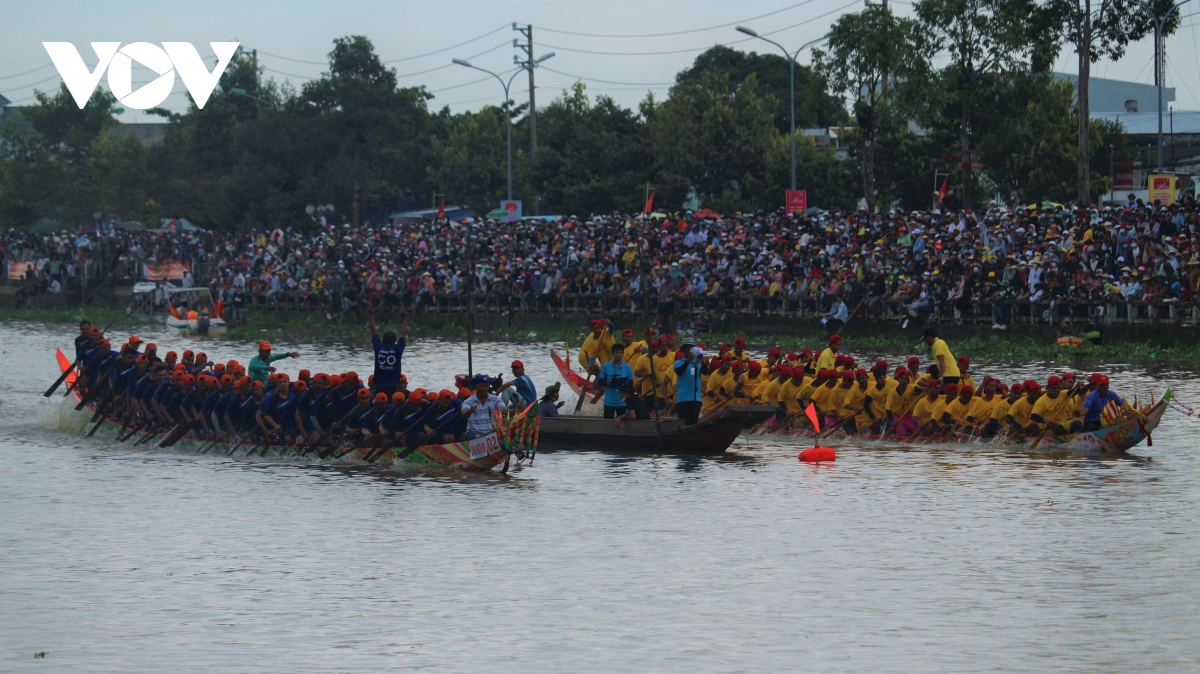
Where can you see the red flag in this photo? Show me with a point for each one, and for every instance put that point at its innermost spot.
(442, 209)
(811, 411)
(945, 185)
(649, 205)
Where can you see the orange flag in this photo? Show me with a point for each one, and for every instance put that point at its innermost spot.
(442, 209)
(812, 416)
(945, 186)
(649, 205)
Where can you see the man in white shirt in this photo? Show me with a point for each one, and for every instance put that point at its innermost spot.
(480, 409)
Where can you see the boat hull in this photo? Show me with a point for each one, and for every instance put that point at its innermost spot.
(484, 453)
(708, 437)
(1115, 439)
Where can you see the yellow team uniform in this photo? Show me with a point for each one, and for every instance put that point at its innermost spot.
(938, 408)
(598, 349)
(1001, 409)
(715, 382)
(900, 403)
(770, 391)
(664, 370)
(967, 380)
(826, 360)
(752, 389)
(958, 410)
(789, 395)
(825, 398)
(857, 397)
(1053, 409)
(981, 411)
(1021, 410)
(924, 409)
(939, 348)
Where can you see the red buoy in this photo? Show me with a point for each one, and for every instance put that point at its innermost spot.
(818, 454)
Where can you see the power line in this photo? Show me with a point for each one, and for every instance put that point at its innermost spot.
(680, 32)
(592, 79)
(9, 77)
(467, 84)
(398, 76)
(696, 49)
(446, 49)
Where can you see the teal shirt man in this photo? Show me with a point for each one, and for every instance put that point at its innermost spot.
(260, 366)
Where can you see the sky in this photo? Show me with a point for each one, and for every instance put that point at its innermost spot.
(631, 47)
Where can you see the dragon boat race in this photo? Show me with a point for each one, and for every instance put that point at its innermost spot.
(759, 337)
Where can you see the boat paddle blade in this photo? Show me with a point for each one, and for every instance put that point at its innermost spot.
(812, 416)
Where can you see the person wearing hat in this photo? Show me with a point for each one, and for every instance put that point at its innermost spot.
(1096, 402)
(260, 365)
(480, 409)
(549, 404)
(828, 358)
(522, 385)
(597, 349)
(1055, 410)
(689, 384)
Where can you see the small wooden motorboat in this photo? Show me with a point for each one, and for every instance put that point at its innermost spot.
(709, 437)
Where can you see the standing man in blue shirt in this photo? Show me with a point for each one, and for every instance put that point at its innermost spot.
(689, 387)
(388, 353)
(613, 377)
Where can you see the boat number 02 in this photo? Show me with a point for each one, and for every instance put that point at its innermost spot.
(484, 446)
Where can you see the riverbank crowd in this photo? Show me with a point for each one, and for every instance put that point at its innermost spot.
(1068, 261)
(334, 414)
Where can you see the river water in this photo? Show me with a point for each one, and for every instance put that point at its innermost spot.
(114, 559)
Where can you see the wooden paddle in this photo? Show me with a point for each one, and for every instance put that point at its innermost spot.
(1067, 398)
(583, 392)
(831, 429)
(177, 435)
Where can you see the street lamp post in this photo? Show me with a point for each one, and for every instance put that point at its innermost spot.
(507, 117)
(507, 100)
(1159, 75)
(791, 57)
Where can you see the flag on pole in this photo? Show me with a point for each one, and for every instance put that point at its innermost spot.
(945, 186)
(649, 205)
(442, 209)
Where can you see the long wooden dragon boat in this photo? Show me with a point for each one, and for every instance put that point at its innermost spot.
(1122, 433)
(519, 433)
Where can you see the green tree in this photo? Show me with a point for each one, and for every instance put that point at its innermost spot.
(591, 157)
(815, 105)
(712, 137)
(1099, 29)
(469, 165)
(865, 52)
(983, 38)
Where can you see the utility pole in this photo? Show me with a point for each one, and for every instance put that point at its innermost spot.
(528, 63)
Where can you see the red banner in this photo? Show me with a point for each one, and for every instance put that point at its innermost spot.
(16, 270)
(173, 271)
(796, 201)
(1123, 181)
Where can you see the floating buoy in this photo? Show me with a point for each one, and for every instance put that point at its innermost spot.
(818, 454)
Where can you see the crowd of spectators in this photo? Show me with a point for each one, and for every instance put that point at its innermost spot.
(1064, 261)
